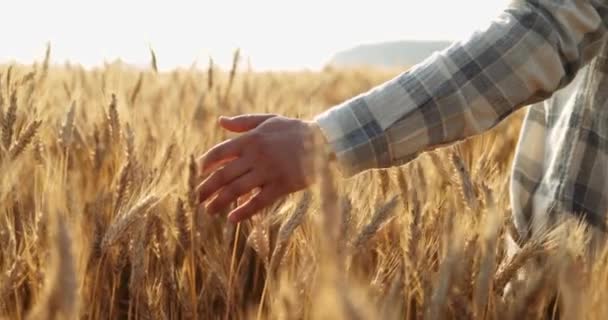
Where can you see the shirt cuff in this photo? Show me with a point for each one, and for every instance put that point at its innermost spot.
(355, 136)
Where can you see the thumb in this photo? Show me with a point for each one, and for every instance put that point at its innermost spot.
(244, 122)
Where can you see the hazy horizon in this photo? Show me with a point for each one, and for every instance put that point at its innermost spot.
(274, 34)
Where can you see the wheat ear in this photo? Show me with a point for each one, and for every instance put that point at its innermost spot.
(288, 228)
(381, 215)
(123, 223)
(9, 121)
(24, 139)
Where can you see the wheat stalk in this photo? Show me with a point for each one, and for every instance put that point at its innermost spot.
(529, 303)
(129, 142)
(9, 121)
(529, 251)
(9, 74)
(384, 183)
(137, 256)
(24, 139)
(45, 63)
(235, 63)
(153, 61)
(60, 298)
(465, 184)
(346, 214)
(66, 133)
(448, 270)
(288, 228)
(27, 78)
(259, 240)
(136, 89)
(113, 120)
(210, 75)
(124, 185)
(379, 218)
(487, 265)
(11, 279)
(99, 151)
(193, 178)
(182, 221)
(167, 157)
(1, 102)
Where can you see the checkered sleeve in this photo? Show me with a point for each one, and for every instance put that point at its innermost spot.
(529, 51)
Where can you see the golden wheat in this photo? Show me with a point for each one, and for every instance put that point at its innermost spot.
(106, 193)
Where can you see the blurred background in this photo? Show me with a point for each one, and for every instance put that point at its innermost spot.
(272, 34)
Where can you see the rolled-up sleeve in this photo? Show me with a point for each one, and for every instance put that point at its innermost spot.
(532, 49)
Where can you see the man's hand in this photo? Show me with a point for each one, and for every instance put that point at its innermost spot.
(275, 155)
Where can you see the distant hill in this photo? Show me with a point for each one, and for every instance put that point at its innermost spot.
(388, 54)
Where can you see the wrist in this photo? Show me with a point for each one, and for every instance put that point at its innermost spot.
(320, 142)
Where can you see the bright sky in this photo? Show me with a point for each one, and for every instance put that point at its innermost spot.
(275, 34)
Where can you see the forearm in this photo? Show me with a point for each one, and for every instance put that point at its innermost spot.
(528, 52)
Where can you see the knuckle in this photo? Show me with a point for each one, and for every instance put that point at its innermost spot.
(253, 137)
(256, 138)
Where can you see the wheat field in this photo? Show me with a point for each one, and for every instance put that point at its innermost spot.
(99, 218)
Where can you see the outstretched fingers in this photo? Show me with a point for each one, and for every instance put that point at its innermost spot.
(222, 177)
(244, 122)
(221, 153)
(266, 196)
(234, 190)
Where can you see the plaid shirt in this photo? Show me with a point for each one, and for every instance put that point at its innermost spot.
(546, 53)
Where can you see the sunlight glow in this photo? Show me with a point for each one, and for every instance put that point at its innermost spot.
(274, 34)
